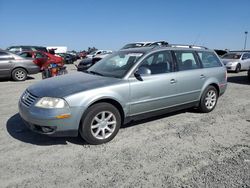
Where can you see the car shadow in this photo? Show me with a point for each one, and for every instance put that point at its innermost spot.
(239, 80)
(18, 130)
(157, 117)
(11, 80)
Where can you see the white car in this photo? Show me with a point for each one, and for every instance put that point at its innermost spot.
(236, 61)
(98, 52)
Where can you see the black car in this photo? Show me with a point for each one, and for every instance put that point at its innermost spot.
(86, 63)
(68, 58)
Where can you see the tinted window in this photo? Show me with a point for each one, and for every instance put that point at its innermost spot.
(26, 55)
(39, 55)
(160, 62)
(186, 60)
(5, 56)
(231, 56)
(245, 56)
(209, 59)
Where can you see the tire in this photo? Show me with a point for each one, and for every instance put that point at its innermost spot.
(100, 123)
(19, 74)
(208, 99)
(248, 74)
(237, 69)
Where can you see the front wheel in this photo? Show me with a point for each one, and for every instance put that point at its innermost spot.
(208, 100)
(100, 123)
(237, 69)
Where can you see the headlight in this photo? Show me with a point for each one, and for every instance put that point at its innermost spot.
(49, 102)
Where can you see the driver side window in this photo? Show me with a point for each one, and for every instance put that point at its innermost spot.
(159, 63)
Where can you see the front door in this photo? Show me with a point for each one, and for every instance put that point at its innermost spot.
(154, 91)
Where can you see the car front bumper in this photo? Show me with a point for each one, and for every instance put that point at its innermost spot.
(46, 121)
(231, 67)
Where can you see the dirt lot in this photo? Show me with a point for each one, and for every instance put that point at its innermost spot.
(183, 149)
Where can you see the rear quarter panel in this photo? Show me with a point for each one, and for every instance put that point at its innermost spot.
(215, 75)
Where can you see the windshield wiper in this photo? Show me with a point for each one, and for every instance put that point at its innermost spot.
(94, 72)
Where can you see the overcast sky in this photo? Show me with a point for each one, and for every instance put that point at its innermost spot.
(110, 24)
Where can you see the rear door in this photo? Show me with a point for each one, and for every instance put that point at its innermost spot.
(189, 77)
(157, 90)
(40, 58)
(6, 64)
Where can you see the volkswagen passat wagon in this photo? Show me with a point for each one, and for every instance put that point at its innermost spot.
(126, 85)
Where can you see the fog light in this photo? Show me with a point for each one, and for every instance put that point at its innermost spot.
(47, 129)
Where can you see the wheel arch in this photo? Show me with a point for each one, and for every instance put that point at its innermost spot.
(211, 83)
(19, 67)
(113, 102)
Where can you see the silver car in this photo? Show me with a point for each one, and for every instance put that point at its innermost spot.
(236, 61)
(16, 67)
(127, 85)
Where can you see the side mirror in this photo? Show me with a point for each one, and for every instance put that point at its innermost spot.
(142, 71)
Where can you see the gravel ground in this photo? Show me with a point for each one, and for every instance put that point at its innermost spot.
(182, 149)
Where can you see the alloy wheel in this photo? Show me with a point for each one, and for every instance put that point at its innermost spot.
(103, 125)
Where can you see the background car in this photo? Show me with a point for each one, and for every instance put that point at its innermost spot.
(144, 44)
(42, 59)
(68, 58)
(220, 53)
(88, 62)
(236, 61)
(98, 52)
(16, 67)
(17, 49)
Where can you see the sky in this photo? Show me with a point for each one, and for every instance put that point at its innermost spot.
(110, 24)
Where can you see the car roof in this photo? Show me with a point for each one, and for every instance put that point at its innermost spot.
(159, 48)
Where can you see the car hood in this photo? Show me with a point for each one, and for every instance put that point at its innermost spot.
(65, 85)
(225, 61)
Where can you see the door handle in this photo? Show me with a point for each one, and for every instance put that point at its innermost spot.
(202, 76)
(173, 81)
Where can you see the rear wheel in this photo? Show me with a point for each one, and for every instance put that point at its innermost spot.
(208, 100)
(237, 69)
(100, 123)
(19, 74)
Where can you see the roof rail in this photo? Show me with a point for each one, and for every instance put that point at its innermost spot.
(187, 46)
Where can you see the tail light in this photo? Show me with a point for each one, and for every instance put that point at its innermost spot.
(225, 75)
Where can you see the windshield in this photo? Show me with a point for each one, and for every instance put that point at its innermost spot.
(231, 56)
(115, 65)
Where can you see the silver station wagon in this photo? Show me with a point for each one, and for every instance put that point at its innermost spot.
(124, 86)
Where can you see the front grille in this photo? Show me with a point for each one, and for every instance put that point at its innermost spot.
(28, 99)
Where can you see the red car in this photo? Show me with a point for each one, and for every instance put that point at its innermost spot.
(43, 59)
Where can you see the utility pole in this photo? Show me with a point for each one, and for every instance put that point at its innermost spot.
(245, 44)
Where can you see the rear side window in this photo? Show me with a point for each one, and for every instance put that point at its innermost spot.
(186, 60)
(26, 54)
(209, 59)
(39, 55)
(5, 56)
